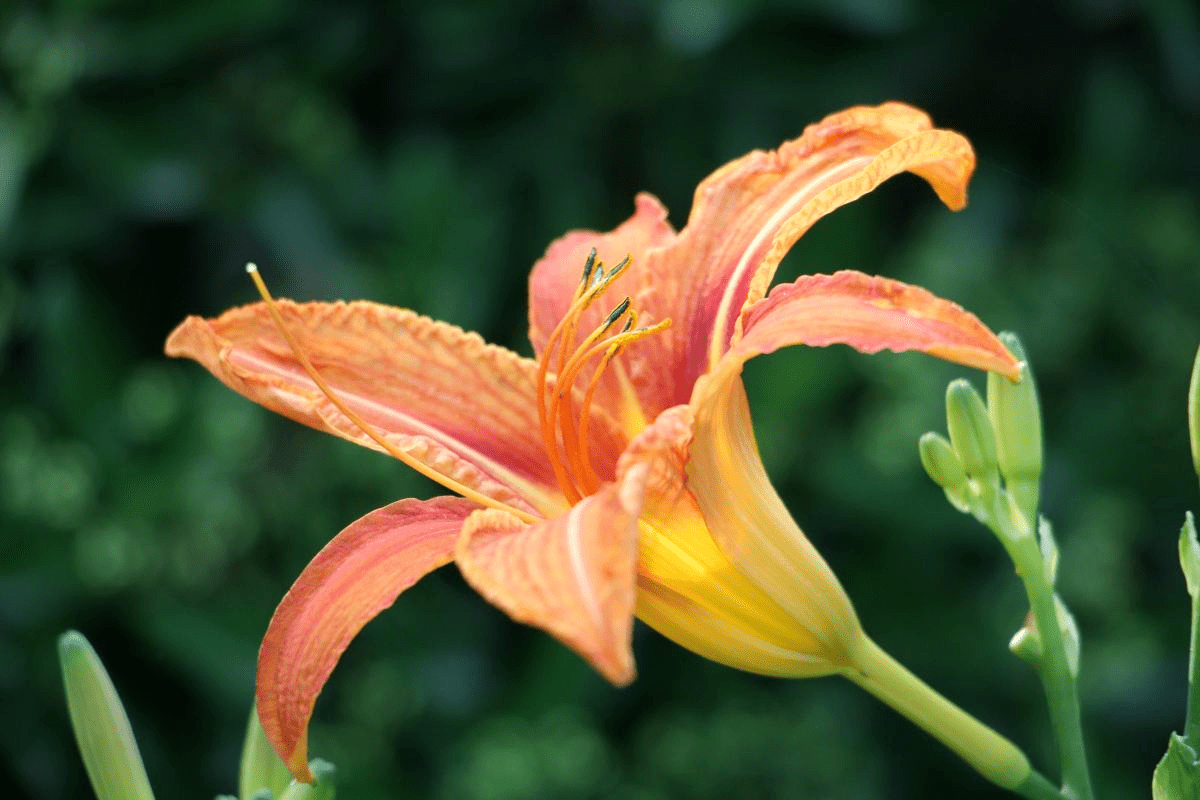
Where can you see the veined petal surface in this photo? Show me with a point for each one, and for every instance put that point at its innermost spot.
(753, 210)
(356, 576)
(444, 396)
(572, 576)
(870, 314)
(744, 219)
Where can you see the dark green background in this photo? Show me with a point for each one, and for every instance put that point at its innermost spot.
(423, 154)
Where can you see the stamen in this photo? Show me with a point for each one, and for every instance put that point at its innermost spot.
(587, 273)
(557, 416)
(565, 418)
(585, 415)
(399, 455)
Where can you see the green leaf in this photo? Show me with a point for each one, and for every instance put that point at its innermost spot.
(102, 730)
(1177, 776)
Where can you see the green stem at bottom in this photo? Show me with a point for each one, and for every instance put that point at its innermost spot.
(992, 755)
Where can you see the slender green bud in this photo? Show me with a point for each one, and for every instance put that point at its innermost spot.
(1194, 413)
(944, 467)
(1017, 425)
(971, 432)
(261, 768)
(102, 730)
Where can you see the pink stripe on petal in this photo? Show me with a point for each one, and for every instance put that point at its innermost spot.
(404, 374)
(573, 576)
(869, 314)
(356, 576)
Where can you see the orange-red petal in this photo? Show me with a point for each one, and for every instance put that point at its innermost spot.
(870, 314)
(573, 576)
(354, 577)
(749, 213)
(445, 397)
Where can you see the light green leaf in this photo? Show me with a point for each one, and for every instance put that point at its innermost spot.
(1177, 776)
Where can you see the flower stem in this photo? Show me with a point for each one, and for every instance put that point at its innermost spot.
(1191, 730)
(1058, 680)
(992, 755)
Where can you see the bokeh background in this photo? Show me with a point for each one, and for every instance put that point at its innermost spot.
(424, 154)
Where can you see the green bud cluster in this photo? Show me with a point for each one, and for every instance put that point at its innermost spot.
(1001, 438)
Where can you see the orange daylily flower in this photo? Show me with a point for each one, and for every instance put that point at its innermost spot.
(616, 474)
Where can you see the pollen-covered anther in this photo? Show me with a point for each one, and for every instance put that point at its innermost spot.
(560, 421)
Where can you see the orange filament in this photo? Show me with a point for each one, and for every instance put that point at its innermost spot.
(375, 436)
(556, 412)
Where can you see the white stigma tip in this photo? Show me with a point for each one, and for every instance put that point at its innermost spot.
(251, 267)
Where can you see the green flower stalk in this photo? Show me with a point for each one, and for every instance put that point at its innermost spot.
(102, 730)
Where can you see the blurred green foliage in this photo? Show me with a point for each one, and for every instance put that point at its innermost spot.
(424, 154)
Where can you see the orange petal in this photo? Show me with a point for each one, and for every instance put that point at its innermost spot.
(573, 576)
(764, 202)
(354, 577)
(869, 314)
(746, 216)
(462, 407)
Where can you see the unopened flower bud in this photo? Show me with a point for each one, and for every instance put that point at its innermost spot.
(1017, 425)
(261, 767)
(971, 432)
(102, 730)
(944, 467)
